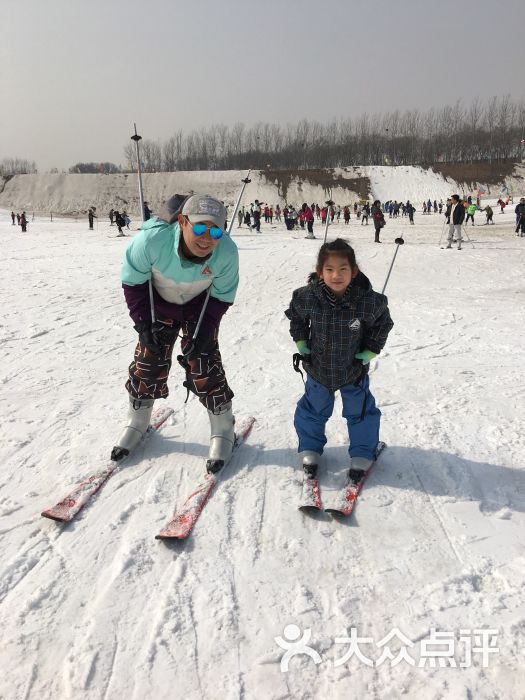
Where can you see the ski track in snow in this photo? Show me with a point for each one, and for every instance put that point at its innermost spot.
(99, 609)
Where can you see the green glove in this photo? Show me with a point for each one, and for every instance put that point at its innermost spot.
(302, 347)
(365, 356)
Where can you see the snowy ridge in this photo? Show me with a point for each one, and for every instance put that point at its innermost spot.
(437, 539)
(74, 194)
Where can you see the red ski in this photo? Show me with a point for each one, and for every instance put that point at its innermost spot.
(310, 495)
(185, 517)
(344, 505)
(66, 509)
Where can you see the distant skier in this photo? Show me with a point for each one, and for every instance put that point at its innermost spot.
(365, 214)
(471, 210)
(13, 216)
(91, 217)
(378, 218)
(147, 212)
(256, 213)
(184, 254)
(457, 215)
(520, 217)
(240, 216)
(111, 216)
(308, 218)
(447, 210)
(23, 222)
(119, 220)
(489, 214)
(338, 324)
(410, 209)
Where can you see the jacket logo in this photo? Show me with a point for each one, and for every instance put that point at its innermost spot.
(206, 271)
(355, 324)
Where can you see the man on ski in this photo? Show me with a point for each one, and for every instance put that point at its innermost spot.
(520, 217)
(188, 264)
(457, 215)
(256, 213)
(410, 209)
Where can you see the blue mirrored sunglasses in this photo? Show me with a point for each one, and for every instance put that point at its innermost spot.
(200, 229)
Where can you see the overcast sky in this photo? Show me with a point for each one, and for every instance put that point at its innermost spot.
(76, 74)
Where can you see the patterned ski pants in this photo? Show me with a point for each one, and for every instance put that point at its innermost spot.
(205, 377)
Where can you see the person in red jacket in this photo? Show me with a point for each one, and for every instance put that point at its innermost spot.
(308, 216)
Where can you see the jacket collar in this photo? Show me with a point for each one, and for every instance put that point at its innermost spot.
(360, 285)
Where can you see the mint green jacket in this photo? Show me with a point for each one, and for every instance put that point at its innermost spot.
(154, 254)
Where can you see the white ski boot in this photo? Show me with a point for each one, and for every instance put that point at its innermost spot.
(139, 414)
(310, 462)
(222, 438)
(358, 467)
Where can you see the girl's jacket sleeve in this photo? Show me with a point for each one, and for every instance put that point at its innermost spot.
(377, 325)
(298, 315)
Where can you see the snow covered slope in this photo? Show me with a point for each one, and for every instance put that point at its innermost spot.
(72, 194)
(99, 609)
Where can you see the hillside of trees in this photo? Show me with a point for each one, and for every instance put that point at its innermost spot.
(491, 131)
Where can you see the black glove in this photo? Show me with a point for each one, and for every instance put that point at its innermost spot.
(172, 208)
(154, 335)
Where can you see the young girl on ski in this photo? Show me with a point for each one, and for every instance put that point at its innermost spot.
(338, 324)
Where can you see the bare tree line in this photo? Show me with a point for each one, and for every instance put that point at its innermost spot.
(16, 166)
(490, 131)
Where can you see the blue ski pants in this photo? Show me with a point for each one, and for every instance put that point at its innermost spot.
(359, 408)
